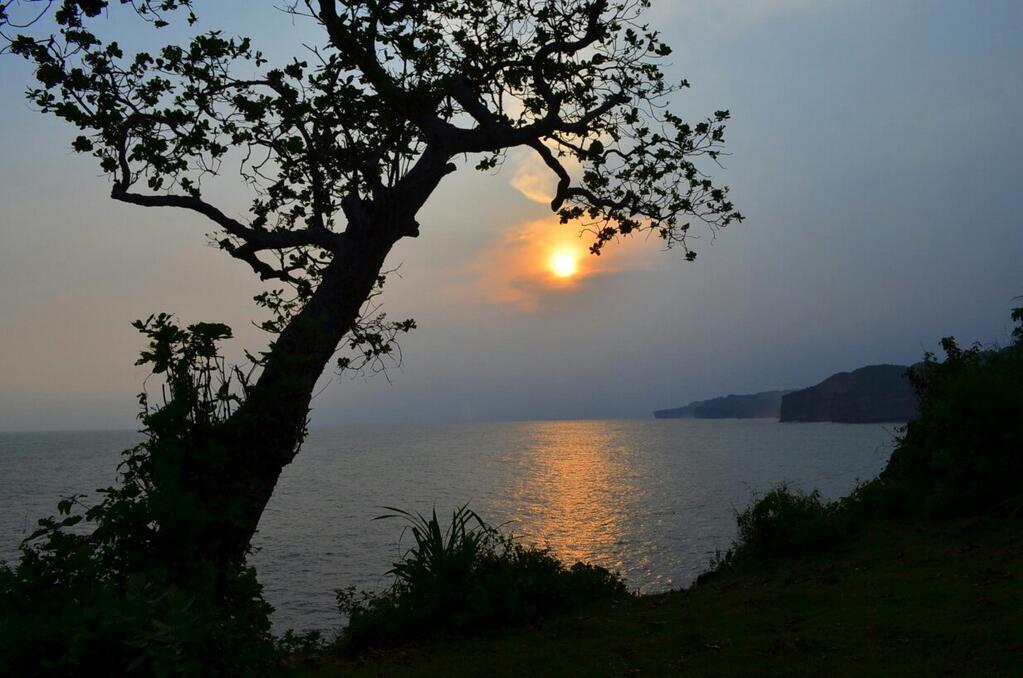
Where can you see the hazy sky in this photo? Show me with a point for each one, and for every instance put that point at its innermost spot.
(875, 151)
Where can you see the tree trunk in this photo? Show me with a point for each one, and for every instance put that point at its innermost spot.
(264, 434)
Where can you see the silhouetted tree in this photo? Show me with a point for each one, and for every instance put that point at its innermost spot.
(343, 146)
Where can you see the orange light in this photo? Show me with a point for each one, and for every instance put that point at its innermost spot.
(564, 263)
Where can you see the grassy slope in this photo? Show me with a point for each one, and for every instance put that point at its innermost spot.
(895, 600)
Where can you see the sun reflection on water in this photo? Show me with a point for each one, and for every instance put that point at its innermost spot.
(574, 493)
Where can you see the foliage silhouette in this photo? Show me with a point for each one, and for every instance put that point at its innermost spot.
(343, 145)
(787, 522)
(123, 585)
(962, 457)
(464, 578)
(964, 454)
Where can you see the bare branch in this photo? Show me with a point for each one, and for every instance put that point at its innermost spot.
(257, 239)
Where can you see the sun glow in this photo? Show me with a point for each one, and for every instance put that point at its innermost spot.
(542, 261)
(564, 263)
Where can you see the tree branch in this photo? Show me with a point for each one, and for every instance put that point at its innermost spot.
(259, 240)
(594, 30)
(249, 255)
(564, 180)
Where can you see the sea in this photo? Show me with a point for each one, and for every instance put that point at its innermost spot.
(652, 499)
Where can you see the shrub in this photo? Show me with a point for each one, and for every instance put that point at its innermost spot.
(469, 576)
(92, 624)
(122, 585)
(786, 522)
(964, 454)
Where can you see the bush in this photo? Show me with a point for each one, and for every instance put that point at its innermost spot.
(464, 578)
(123, 585)
(93, 624)
(964, 454)
(786, 522)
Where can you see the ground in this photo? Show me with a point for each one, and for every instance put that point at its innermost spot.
(895, 600)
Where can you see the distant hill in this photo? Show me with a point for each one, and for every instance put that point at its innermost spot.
(752, 406)
(872, 394)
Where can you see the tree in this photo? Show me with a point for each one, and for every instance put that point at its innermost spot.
(343, 145)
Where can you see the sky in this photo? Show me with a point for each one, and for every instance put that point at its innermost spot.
(874, 148)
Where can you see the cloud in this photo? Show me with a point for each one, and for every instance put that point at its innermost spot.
(533, 178)
(516, 270)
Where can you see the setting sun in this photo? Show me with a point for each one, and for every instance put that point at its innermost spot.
(564, 263)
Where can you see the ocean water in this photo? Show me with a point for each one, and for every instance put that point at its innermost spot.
(652, 499)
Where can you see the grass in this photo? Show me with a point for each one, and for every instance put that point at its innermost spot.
(896, 599)
(464, 578)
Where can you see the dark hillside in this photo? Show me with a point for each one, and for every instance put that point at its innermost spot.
(876, 393)
(765, 405)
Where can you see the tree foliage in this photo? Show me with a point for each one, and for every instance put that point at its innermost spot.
(397, 93)
(964, 454)
(123, 584)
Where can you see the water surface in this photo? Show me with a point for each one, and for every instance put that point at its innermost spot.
(653, 499)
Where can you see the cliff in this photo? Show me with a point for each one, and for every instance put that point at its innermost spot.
(872, 394)
(752, 406)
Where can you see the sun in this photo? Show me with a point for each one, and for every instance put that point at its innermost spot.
(564, 263)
